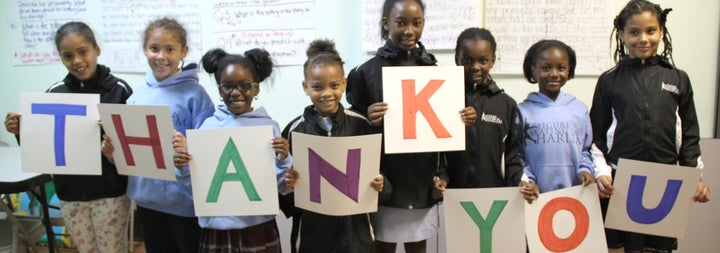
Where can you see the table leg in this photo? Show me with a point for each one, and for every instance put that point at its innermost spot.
(42, 197)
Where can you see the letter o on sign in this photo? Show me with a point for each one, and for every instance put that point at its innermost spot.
(545, 224)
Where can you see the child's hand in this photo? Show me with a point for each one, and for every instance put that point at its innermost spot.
(586, 178)
(605, 187)
(469, 115)
(530, 191)
(281, 147)
(181, 156)
(107, 148)
(376, 112)
(291, 177)
(702, 194)
(378, 183)
(439, 188)
(12, 123)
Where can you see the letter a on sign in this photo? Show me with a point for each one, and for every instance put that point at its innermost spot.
(652, 198)
(424, 106)
(233, 171)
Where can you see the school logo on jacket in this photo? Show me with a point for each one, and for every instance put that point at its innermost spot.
(670, 88)
(491, 118)
(547, 133)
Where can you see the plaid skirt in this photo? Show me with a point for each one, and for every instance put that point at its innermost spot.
(261, 238)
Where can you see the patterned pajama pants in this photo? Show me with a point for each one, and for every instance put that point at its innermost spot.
(98, 225)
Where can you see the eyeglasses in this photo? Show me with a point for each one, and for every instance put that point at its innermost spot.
(242, 87)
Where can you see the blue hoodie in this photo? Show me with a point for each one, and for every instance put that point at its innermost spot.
(556, 137)
(224, 118)
(189, 105)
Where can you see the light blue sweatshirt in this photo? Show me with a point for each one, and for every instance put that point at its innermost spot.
(556, 138)
(224, 118)
(189, 105)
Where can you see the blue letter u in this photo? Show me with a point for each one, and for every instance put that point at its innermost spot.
(642, 215)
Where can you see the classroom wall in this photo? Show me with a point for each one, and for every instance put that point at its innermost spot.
(694, 26)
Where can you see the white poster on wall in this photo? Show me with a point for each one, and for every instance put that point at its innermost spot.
(284, 28)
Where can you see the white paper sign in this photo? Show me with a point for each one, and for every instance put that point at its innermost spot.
(336, 172)
(484, 220)
(233, 171)
(566, 220)
(142, 138)
(424, 106)
(60, 134)
(652, 198)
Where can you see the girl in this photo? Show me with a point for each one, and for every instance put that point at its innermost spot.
(643, 109)
(419, 179)
(554, 126)
(325, 83)
(95, 209)
(165, 208)
(491, 156)
(238, 77)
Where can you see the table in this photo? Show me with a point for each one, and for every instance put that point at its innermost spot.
(13, 180)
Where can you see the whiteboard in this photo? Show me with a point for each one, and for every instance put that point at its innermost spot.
(282, 27)
(33, 25)
(585, 25)
(444, 20)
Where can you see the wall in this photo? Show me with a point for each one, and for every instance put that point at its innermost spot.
(694, 26)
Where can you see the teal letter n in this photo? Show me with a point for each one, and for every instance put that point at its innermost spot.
(484, 225)
(231, 154)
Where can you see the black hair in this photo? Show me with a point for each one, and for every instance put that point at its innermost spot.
(322, 52)
(168, 24)
(536, 49)
(75, 27)
(387, 7)
(635, 7)
(256, 60)
(473, 33)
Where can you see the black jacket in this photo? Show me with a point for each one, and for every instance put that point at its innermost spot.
(491, 151)
(84, 188)
(645, 100)
(411, 175)
(324, 233)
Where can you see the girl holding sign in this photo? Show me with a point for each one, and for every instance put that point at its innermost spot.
(492, 145)
(325, 83)
(95, 209)
(643, 108)
(418, 180)
(554, 127)
(165, 208)
(238, 78)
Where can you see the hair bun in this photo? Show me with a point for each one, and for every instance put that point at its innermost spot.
(321, 46)
(262, 62)
(211, 59)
